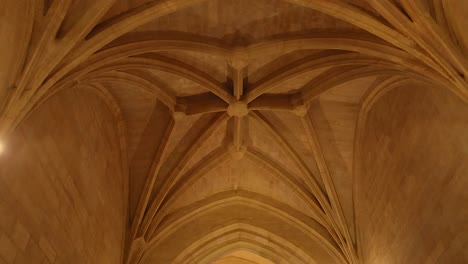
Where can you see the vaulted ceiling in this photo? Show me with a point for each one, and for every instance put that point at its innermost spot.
(234, 131)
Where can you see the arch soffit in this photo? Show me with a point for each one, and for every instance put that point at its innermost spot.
(255, 201)
(242, 236)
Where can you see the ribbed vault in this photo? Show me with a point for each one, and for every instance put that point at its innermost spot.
(244, 126)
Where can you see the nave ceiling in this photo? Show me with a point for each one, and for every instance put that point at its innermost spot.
(240, 131)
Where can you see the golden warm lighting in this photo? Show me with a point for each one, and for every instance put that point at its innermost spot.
(233, 131)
